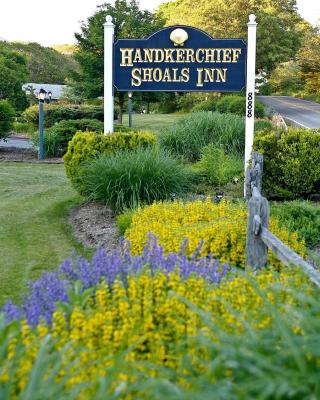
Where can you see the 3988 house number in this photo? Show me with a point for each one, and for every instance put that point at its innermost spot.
(250, 105)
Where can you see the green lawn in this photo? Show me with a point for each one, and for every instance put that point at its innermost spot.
(34, 236)
(153, 122)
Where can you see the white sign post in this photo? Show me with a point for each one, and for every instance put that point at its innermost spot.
(108, 76)
(251, 80)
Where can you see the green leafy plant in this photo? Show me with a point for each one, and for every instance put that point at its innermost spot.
(128, 179)
(85, 146)
(218, 168)
(58, 136)
(237, 105)
(124, 220)
(208, 105)
(55, 113)
(291, 162)
(7, 114)
(188, 137)
(302, 217)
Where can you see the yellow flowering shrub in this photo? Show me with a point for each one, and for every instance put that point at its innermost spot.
(221, 227)
(153, 319)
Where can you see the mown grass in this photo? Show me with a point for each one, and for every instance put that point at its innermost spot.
(154, 122)
(34, 233)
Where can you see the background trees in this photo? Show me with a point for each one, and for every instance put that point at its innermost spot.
(130, 22)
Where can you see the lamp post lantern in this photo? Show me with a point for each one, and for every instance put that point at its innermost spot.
(130, 108)
(41, 97)
(50, 96)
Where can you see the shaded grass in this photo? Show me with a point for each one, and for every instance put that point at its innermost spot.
(153, 122)
(34, 235)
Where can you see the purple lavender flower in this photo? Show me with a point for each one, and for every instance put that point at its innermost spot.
(53, 287)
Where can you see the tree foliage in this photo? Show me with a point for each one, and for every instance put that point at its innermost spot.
(130, 22)
(279, 29)
(13, 73)
(44, 64)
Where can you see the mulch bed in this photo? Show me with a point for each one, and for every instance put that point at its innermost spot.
(13, 154)
(94, 225)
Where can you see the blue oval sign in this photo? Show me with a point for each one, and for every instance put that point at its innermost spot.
(180, 58)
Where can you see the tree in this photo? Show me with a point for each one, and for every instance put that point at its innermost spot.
(7, 114)
(279, 24)
(44, 64)
(130, 22)
(13, 73)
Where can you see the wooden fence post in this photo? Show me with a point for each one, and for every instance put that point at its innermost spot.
(258, 217)
(254, 175)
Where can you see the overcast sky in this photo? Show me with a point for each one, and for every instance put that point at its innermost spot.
(55, 21)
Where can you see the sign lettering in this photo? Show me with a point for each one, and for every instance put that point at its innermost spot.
(180, 59)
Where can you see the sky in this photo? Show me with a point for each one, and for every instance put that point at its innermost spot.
(54, 21)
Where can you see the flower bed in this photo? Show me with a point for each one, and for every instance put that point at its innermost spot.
(220, 227)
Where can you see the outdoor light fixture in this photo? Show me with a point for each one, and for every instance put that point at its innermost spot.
(130, 108)
(42, 95)
(50, 96)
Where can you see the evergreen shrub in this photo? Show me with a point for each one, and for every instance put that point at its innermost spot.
(291, 162)
(237, 105)
(85, 146)
(208, 105)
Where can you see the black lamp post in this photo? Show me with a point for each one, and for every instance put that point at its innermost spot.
(130, 108)
(41, 97)
(50, 96)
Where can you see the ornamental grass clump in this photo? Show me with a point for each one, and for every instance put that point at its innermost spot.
(221, 227)
(128, 179)
(190, 135)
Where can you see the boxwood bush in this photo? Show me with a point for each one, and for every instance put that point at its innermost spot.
(291, 162)
(188, 137)
(85, 146)
(128, 179)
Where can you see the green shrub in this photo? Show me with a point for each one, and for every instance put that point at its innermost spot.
(59, 135)
(7, 114)
(291, 162)
(302, 217)
(85, 146)
(55, 113)
(262, 124)
(124, 221)
(23, 127)
(188, 136)
(219, 168)
(208, 105)
(237, 105)
(127, 179)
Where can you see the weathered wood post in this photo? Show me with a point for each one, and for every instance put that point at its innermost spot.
(258, 217)
(254, 175)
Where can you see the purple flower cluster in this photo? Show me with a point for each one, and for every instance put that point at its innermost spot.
(52, 287)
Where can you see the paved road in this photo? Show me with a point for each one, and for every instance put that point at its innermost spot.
(302, 112)
(16, 143)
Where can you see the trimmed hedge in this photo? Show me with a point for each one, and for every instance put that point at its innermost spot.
(291, 167)
(56, 113)
(208, 105)
(86, 146)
